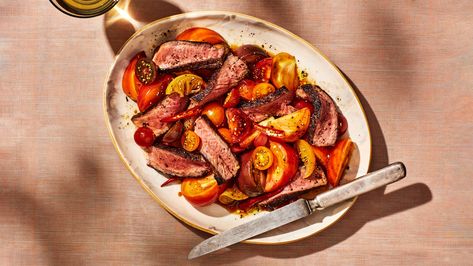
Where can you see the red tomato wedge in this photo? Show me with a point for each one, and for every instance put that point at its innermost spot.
(262, 70)
(152, 93)
(232, 99)
(338, 160)
(283, 168)
(130, 83)
(199, 34)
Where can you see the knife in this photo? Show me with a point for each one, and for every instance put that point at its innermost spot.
(300, 209)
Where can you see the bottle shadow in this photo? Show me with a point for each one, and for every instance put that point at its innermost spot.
(128, 16)
(369, 207)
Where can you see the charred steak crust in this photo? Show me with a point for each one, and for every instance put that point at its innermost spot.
(323, 127)
(297, 187)
(232, 71)
(187, 55)
(177, 162)
(272, 104)
(169, 106)
(216, 150)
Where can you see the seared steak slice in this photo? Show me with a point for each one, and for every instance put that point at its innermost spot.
(177, 162)
(298, 186)
(185, 55)
(216, 150)
(275, 103)
(323, 127)
(169, 106)
(228, 76)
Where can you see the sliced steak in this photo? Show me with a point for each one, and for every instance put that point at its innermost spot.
(298, 186)
(185, 55)
(275, 103)
(216, 150)
(177, 162)
(228, 76)
(323, 127)
(169, 106)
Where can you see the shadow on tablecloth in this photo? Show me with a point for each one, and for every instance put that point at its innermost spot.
(134, 14)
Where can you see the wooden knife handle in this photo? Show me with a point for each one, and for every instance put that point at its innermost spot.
(361, 185)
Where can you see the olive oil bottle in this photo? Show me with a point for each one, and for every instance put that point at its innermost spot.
(84, 8)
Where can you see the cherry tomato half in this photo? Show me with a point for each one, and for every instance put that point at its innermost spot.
(299, 104)
(262, 89)
(215, 113)
(190, 141)
(262, 158)
(262, 70)
(245, 88)
(144, 136)
(145, 70)
(199, 34)
(200, 191)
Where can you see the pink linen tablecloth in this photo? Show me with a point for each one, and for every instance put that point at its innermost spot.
(66, 198)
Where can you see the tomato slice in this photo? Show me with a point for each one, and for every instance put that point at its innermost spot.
(262, 158)
(200, 34)
(283, 168)
(185, 84)
(307, 156)
(183, 115)
(144, 136)
(200, 191)
(245, 88)
(190, 141)
(215, 113)
(152, 93)
(232, 99)
(238, 123)
(284, 72)
(262, 70)
(145, 70)
(262, 89)
(130, 83)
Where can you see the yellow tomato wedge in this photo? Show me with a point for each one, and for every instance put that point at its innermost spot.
(185, 84)
(307, 156)
(284, 72)
(231, 195)
(294, 125)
